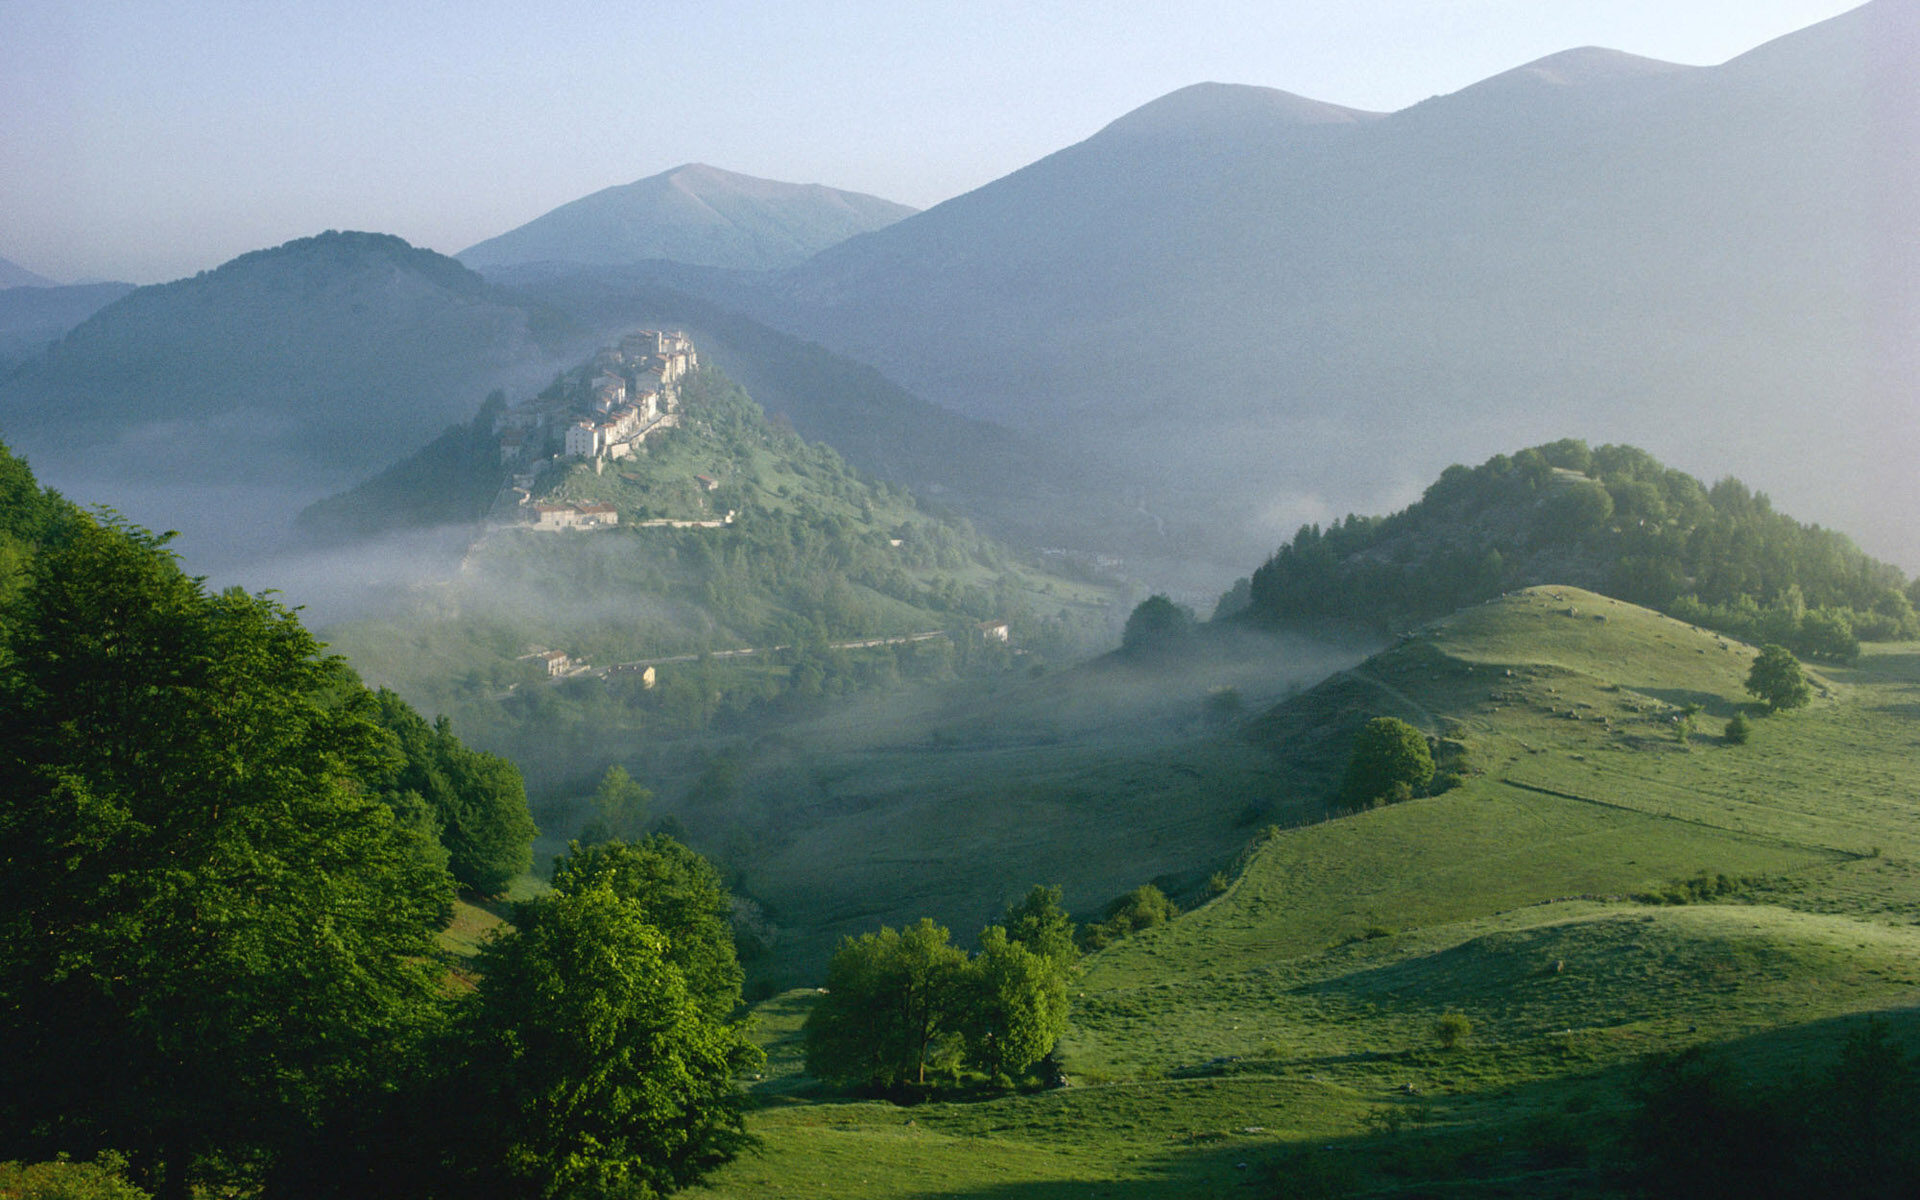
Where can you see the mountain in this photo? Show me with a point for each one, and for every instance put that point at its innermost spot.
(1232, 284)
(277, 377)
(13, 275)
(32, 318)
(692, 214)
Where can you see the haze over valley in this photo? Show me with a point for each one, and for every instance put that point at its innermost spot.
(1152, 636)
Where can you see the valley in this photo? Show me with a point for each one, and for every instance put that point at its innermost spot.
(1259, 646)
(1544, 900)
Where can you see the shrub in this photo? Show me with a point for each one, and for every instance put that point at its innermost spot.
(1141, 908)
(1738, 730)
(1452, 1029)
(63, 1180)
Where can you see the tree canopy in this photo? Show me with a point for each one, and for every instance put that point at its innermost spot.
(476, 801)
(1613, 519)
(677, 892)
(1015, 1005)
(213, 926)
(899, 1001)
(595, 1070)
(1157, 626)
(1777, 680)
(890, 997)
(1039, 923)
(1389, 757)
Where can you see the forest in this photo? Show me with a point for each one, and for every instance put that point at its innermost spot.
(1612, 518)
(226, 865)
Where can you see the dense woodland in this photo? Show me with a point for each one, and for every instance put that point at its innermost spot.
(1611, 518)
(225, 864)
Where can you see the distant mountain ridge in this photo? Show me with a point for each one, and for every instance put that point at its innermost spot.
(1233, 283)
(33, 318)
(13, 275)
(294, 369)
(692, 214)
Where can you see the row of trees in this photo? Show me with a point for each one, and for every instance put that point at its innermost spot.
(223, 863)
(1612, 518)
(901, 1001)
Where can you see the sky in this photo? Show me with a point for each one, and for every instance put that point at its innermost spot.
(145, 140)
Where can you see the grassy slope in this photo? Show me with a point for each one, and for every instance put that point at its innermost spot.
(1271, 1015)
(951, 804)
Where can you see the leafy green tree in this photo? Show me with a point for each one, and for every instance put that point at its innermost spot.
(477, 801)
(1142, 908)
(1828, 633)
(592, 1070)
(1388, 754)
(1042, 926)
(678, 893)
(1452, 1028)
(1777, 680)
(213, 928)
(66, 1180)
(1739, 730)
(891, 998)
(1015, 1006)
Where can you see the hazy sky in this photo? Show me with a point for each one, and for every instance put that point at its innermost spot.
(148, 139)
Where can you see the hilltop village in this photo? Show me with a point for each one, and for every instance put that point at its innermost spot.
(603, 411)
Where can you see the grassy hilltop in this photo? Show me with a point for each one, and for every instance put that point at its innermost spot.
(1596, 889)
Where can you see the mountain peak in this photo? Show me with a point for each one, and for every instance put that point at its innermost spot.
(1201, 109)
(350, 248)
(694, 213)
(1587, 65)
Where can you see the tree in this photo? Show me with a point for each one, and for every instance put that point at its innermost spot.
(1828, 633)
(1157, 626)
(1141, 908)
(213, 928)
(1042, 926)
(1777, 680)
(1015, 1007)
(678, 893)
(591, 1068)
(620, 807)
(891, 997)
(474, 802)
(1388, 754)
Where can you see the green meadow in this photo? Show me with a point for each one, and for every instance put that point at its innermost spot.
(1596, 888)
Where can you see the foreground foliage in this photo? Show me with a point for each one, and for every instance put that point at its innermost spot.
(598, 1072)
(222, 864)
(211, 928)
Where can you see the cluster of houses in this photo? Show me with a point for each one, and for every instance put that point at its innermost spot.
(605, 410)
